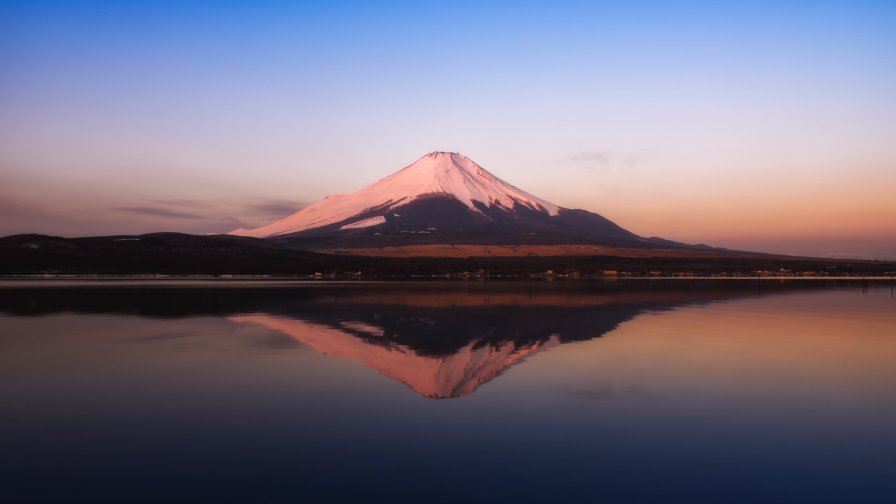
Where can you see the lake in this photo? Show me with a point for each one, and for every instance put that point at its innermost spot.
(618, 390)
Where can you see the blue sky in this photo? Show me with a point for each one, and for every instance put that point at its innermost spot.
(761, 125)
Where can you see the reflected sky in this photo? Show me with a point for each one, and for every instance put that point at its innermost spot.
(651, 391)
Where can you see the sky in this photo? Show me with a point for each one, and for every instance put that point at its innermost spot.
(766, 126)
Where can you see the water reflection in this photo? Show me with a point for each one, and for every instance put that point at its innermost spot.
(445, 344)
(436, 375)
(621, 391)
(441, 340)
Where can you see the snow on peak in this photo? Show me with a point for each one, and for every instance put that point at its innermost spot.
(436, 173)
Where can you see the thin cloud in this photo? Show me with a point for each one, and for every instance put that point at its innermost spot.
(181, 203)
(260, 207)
(276, 208)
(605, 161)
(589, 157)
(235, 223)
(217, 216)
(159, 212)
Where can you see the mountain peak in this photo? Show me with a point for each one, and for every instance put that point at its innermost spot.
(445, 153)
(455, 157)
(436, 169)
(447, 174)
(445, 160)
(456, 175)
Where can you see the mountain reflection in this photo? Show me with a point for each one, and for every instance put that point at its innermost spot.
(448, 344)
(437, 376)
(441, 340)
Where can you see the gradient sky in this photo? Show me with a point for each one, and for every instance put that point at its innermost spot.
(752, 125)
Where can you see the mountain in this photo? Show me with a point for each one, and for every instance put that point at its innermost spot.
(445, 197)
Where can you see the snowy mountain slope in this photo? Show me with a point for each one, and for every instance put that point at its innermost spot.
(435, 174)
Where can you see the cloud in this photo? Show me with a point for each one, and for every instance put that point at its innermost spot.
(216, 215)
(159, 212)
(605, 161)
(276, 208)
(181, 203)
(176, 335)
(235, 223)
(252, 214)
(264, 208)
(601, 159)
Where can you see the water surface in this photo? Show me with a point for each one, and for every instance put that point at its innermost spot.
(645, 391)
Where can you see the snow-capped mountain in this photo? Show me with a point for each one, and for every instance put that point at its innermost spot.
(445, 197)
(435, 174)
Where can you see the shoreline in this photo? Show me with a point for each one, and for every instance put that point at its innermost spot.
(7, 281)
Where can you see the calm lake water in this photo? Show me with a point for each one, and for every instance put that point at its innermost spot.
(619, 391)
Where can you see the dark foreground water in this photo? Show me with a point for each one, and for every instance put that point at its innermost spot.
(629, 391)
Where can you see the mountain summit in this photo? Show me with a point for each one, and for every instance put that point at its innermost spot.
(445, 198)
(445, 174)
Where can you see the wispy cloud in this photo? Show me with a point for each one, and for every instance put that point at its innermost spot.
(181, 203)
(159, 212)
(212, 209)
(598, 158)
(216, 215)
(234, 223)
(253, 213)
(276, 208)
(605, 161)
